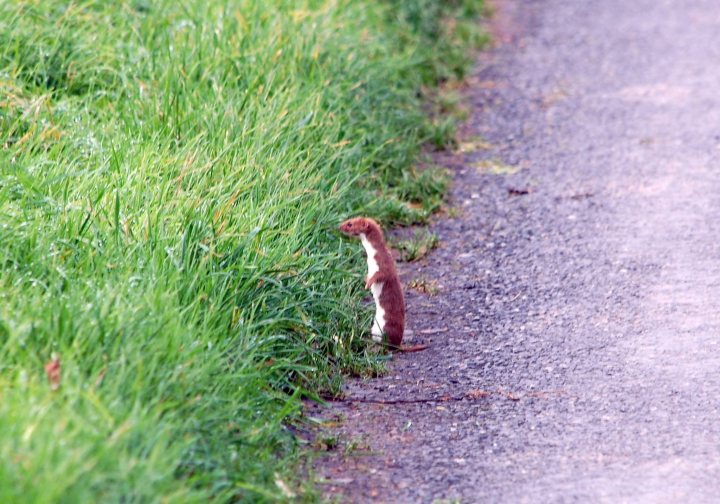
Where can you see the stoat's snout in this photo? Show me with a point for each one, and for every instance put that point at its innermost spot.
(355, 226)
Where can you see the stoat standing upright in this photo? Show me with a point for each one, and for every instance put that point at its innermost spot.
(383, 282)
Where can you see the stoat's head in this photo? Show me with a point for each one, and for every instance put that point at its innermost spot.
(358, 226)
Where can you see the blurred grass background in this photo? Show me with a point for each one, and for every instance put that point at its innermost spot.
(171, 177)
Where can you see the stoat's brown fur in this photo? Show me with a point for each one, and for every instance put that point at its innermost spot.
(383, 281)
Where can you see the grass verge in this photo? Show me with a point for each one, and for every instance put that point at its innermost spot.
(171, 176)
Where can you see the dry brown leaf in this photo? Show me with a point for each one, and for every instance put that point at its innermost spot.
(52, 370)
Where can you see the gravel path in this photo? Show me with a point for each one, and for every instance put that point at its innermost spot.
(576, 329)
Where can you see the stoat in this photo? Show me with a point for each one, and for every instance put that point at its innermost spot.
(383, 281)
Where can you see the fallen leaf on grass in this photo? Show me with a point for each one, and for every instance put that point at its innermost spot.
(52, 370)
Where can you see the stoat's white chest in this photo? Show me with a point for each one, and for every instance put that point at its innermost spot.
(378, 326)
(370, 251)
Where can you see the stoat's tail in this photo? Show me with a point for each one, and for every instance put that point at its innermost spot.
(394, 331)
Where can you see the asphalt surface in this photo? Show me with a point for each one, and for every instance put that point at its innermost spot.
(575, 332)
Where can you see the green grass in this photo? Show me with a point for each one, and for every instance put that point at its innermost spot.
(417, 246)
(171, 177)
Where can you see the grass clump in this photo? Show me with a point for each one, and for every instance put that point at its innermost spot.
(419, 245)
(171, 175)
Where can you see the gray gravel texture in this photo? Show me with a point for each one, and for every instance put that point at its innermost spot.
(575, 334)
